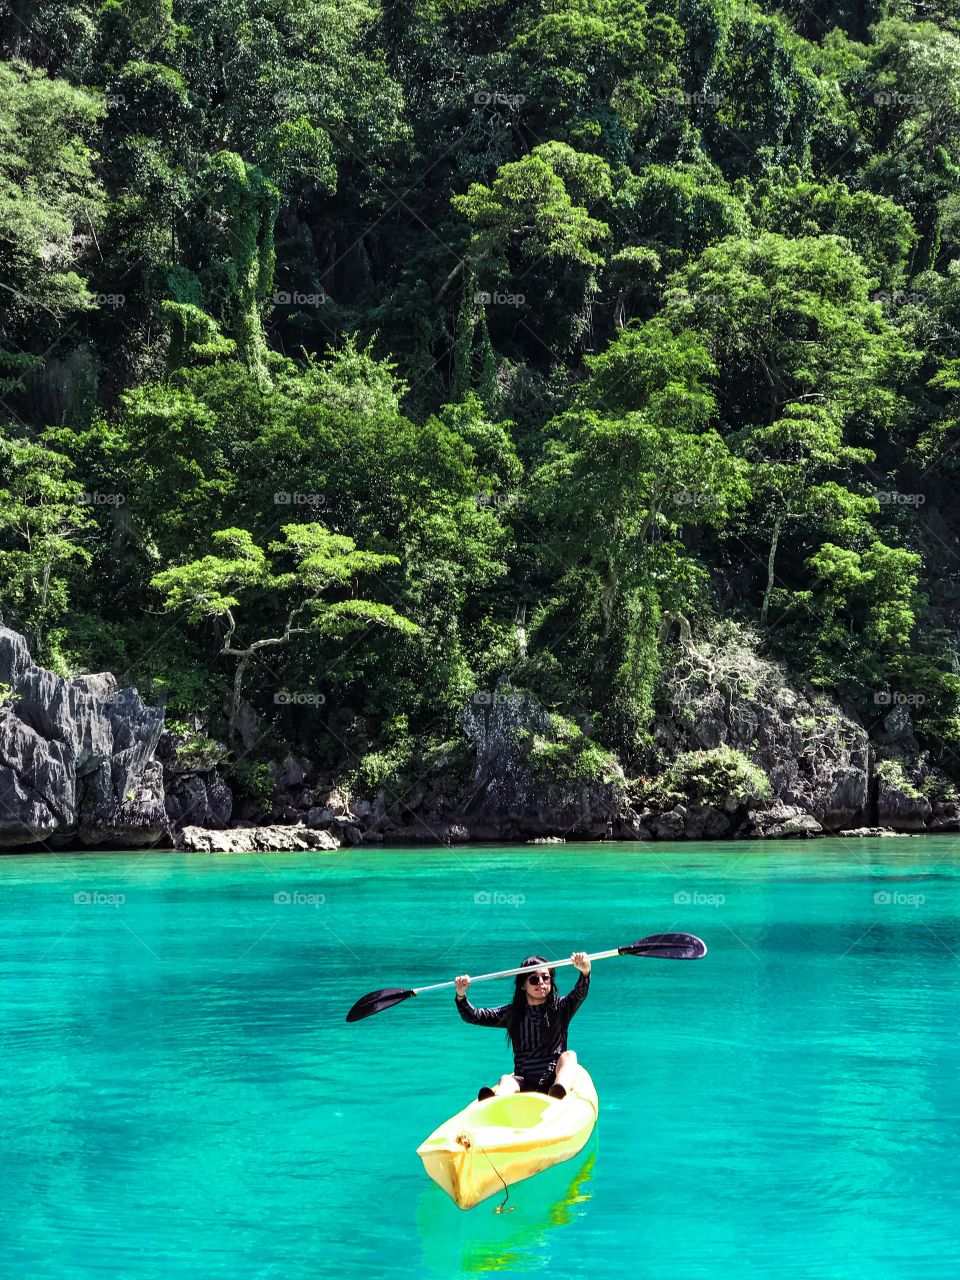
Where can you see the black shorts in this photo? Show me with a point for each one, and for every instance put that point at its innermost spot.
(535, 1083)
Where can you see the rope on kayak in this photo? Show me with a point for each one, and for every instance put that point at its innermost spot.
(501, 1206)
(467, 1142)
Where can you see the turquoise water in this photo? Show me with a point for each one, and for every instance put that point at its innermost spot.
(182, 1097)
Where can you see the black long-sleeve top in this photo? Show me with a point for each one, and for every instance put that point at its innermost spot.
(533, 1058)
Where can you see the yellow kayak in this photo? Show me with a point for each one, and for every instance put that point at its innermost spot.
(501, 1141)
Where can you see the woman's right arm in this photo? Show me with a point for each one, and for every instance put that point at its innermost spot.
(491, 1017)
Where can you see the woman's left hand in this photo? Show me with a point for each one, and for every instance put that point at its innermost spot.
(579, 958)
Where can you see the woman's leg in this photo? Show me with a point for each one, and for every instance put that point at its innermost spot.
(507, 1084)
(566, 1070)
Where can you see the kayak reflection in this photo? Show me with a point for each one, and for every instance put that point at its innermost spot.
(484, 1240)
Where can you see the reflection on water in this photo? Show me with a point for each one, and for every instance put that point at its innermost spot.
(481, 1239)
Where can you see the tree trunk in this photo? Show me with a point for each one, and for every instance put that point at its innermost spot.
(771, 558)
(235, 699)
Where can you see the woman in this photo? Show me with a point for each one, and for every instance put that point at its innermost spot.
(536, 1022)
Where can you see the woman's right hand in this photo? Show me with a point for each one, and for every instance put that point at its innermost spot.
(462, 983)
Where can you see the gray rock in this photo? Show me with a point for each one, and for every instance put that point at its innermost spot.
(319, 817)
(706, 822)
(547, 840)
(781, 822)
(900, 809)
(346, 830)
(76, 757)
(201, 800)
(670, 825)
(509, 795)
(898, 726)
(816, 757)
(290, 773)
(873, 832)
(844, 798)
(946, 817)
(273, 839)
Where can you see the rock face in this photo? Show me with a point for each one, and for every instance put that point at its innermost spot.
(195, 793)
(817, 757)
(276, 839)
(76, 757)
(781, 822)
(899, 806)
(511, 796)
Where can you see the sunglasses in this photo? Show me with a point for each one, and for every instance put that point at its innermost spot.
(536, 978)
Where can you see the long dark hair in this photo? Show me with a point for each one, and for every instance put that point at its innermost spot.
(519, 1006)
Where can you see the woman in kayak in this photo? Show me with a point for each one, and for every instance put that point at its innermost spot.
(536, 1021)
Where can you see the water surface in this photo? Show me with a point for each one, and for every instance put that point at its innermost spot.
(182, 1098)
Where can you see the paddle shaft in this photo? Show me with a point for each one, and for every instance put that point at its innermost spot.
(530, 968)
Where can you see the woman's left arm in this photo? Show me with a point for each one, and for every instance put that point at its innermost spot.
(569, 1004)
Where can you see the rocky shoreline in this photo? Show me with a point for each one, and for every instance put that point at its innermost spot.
(86, 764)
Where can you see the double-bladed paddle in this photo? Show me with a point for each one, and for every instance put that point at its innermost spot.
(665, 946)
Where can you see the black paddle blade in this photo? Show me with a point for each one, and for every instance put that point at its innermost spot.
(366, 1006)
(667, 946)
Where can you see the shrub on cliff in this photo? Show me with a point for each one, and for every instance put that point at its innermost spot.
(714, 777)
(566, 755)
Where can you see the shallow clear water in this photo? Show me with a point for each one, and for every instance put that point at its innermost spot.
(182, 1097)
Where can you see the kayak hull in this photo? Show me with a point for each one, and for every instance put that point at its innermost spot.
(502, 1140)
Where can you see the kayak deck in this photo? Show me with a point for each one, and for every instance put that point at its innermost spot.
(503, 1140)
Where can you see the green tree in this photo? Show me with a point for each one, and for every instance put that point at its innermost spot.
(50, 201)
(793, 462)
(43, 519)
(792, 321)
(863, 607)
(213, 587)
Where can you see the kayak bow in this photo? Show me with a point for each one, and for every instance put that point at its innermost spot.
(502, 1140)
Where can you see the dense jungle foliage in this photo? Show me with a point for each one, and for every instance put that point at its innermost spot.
(357, 354)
